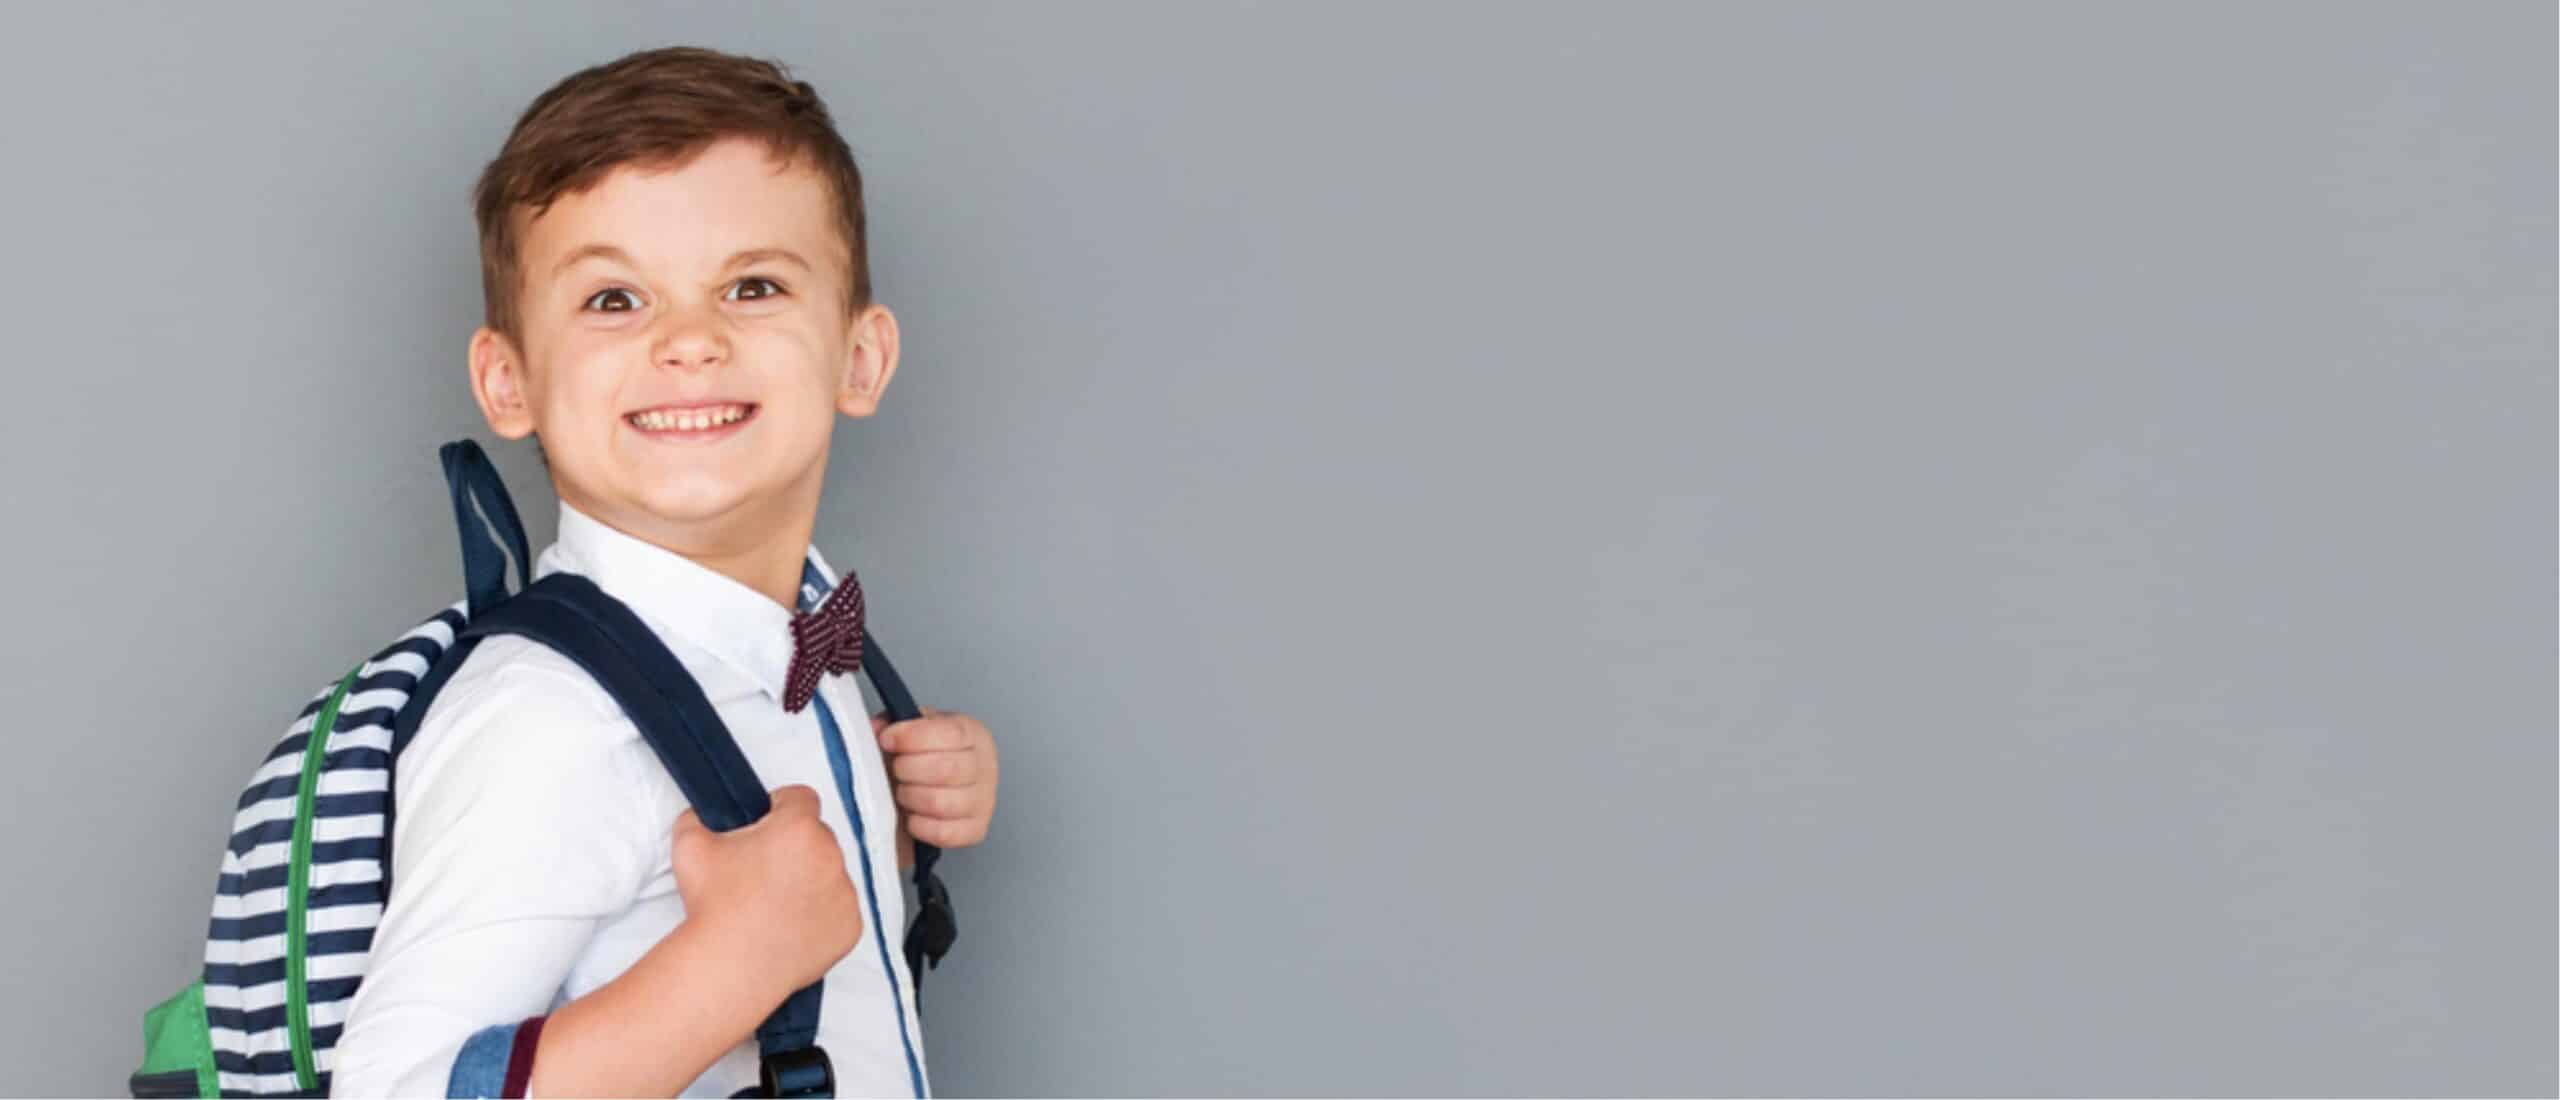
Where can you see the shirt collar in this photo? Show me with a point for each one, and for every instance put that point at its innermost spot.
(680, 599)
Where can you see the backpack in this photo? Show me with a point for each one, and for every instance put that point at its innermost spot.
(307, 871)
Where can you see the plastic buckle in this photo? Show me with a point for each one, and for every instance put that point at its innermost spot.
(799, 1073)
(935, 929)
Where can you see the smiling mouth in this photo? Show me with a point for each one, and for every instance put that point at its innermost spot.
(690, 419)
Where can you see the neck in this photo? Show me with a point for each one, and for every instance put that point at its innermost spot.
(764, 550)
(772, 569)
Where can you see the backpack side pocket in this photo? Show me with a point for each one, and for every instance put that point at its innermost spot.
(177, 1048)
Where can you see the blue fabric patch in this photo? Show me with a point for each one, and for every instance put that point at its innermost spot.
(813, 591)
(813, 586)
(481, 1069)
(839, 761)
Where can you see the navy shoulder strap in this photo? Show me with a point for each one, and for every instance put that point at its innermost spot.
(493, 527)
(931, 929)
(570, 615)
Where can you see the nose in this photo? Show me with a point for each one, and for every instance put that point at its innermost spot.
(691, 339)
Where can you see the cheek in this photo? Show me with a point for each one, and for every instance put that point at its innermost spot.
(577, 394)
(804, 363)
(590, 359)
(801, 348)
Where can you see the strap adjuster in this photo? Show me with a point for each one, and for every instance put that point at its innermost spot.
(804, 1072)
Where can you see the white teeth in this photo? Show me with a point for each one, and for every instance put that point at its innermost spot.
(692, 420)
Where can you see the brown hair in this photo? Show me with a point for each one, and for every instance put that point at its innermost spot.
(655, 108)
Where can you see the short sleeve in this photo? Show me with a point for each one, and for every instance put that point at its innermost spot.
(521, 825)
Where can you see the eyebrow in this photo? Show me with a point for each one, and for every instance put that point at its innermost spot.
(609, 252)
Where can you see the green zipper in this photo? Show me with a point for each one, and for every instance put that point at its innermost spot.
(297, 1007)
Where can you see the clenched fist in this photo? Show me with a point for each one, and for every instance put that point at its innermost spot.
(942, 769)
(776, 890)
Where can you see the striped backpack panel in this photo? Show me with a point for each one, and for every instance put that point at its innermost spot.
(306, 872)
(302, 881)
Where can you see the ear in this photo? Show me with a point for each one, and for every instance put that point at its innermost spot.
(871, 357)
(498, 381)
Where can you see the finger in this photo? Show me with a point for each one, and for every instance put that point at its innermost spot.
(936, 769)
(951, 802)
(946, 833)
(925, 735)
(879, 722)
(687, 822)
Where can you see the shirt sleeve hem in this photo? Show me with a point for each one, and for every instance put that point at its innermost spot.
(496, 1062)
(520, 1058)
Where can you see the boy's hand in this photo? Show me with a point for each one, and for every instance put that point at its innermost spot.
(775, 891)
(942, 769)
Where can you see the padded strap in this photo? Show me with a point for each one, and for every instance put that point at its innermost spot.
(569, 614)
(493, 526)
(931, 932)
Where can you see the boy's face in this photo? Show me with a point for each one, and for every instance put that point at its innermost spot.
(685, 349)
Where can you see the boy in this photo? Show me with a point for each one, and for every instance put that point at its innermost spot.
(679, 304)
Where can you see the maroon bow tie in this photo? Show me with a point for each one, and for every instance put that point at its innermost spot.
(825, 641)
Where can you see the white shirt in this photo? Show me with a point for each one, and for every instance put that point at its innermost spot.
(530, 848)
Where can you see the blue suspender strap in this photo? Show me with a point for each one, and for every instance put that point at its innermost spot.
(569, 614)
(489, 529)
(840, 762)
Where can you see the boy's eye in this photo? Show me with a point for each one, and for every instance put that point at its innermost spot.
(771, 288)
(605, 294)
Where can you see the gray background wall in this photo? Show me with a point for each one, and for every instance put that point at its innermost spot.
(1860, 548)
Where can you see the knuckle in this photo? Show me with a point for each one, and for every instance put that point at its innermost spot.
(813, 835)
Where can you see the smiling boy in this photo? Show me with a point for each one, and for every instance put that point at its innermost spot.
(679, 307)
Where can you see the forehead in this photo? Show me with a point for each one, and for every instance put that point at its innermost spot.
(734, 195)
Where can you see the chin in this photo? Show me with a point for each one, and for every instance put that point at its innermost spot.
(692, 501)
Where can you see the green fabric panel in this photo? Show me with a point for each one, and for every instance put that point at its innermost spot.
(297, 1010)
(176, 1039)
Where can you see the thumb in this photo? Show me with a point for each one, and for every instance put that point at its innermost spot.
(688, 822)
